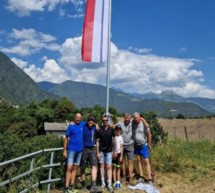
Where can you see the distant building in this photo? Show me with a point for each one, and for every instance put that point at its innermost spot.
(55, 128)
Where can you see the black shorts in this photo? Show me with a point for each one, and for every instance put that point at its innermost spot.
(88, 156)
(116, 161)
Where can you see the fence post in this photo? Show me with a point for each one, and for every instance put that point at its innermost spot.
(185, 131)
(50, 172)
(175, 133)
(198, 129)
(32, 164)
(214, 130)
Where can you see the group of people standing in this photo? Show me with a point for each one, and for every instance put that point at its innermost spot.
(109, 146)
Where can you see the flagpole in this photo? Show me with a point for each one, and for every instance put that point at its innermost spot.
(108, 60)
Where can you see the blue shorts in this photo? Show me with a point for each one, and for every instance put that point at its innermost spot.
(74, 158)
(105, 158)
(144, 152)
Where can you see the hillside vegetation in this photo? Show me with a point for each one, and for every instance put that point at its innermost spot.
(16, 86)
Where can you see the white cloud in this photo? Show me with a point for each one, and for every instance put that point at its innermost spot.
(140, 50)
(29, 41)
(134, 72)
(130, 72)
(29, 34)
(51, 71)
(25, 7)
(194, 89)
(77, 15)
(20, 63)
(183, 49)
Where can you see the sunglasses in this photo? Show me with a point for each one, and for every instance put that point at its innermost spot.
(104, 120)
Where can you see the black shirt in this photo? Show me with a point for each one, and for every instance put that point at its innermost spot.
(105, 139)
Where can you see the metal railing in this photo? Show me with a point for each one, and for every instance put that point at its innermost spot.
(33, 169)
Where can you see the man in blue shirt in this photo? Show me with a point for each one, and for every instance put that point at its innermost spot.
(73, 146)
(89, 153)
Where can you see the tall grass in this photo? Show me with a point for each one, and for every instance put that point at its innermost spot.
(181, 156)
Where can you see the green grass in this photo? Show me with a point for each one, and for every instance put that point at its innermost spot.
(180, 156)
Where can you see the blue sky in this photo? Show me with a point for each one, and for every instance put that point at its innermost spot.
(156, 45)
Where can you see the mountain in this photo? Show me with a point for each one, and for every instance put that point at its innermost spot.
(19, 88)
(16, 86)
(88, 95)
(47, 86)
(207, 104)
(164, 95)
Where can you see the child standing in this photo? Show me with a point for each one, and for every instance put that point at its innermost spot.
(118, 159)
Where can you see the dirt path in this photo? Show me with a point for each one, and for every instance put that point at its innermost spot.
(174, 183)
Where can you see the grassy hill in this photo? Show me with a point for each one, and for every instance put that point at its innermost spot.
(16, 86)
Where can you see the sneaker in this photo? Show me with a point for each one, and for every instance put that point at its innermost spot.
(103, 185)
(94, 189)
(110, 188)
(150, 181)
(72, 190)
(100, 189)
(140, 180)
(66, 191)
(84, 189)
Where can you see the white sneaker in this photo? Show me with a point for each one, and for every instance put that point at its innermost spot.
(110, 188)
(103, 185)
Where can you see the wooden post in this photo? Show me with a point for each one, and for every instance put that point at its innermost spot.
(175, 133)
(198, 129)
(185, 131)
(214, 130)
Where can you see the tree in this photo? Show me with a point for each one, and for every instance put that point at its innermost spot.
(23, 130)
(42, 115)
(4, 104)
(63, 109)
(180, 116)
(156, 129)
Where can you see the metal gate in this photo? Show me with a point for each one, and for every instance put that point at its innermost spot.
(32, 169)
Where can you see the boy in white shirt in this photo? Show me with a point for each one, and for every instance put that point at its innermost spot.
(118, 159)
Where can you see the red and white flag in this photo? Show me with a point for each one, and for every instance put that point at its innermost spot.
(95, 31)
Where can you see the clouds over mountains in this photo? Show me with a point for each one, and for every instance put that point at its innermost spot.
(132, 70)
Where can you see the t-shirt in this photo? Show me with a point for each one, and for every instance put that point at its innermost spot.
(140, 133)
(89, 135)
(75, 134)
(119, 141)
(126, 133)
(105, 139)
